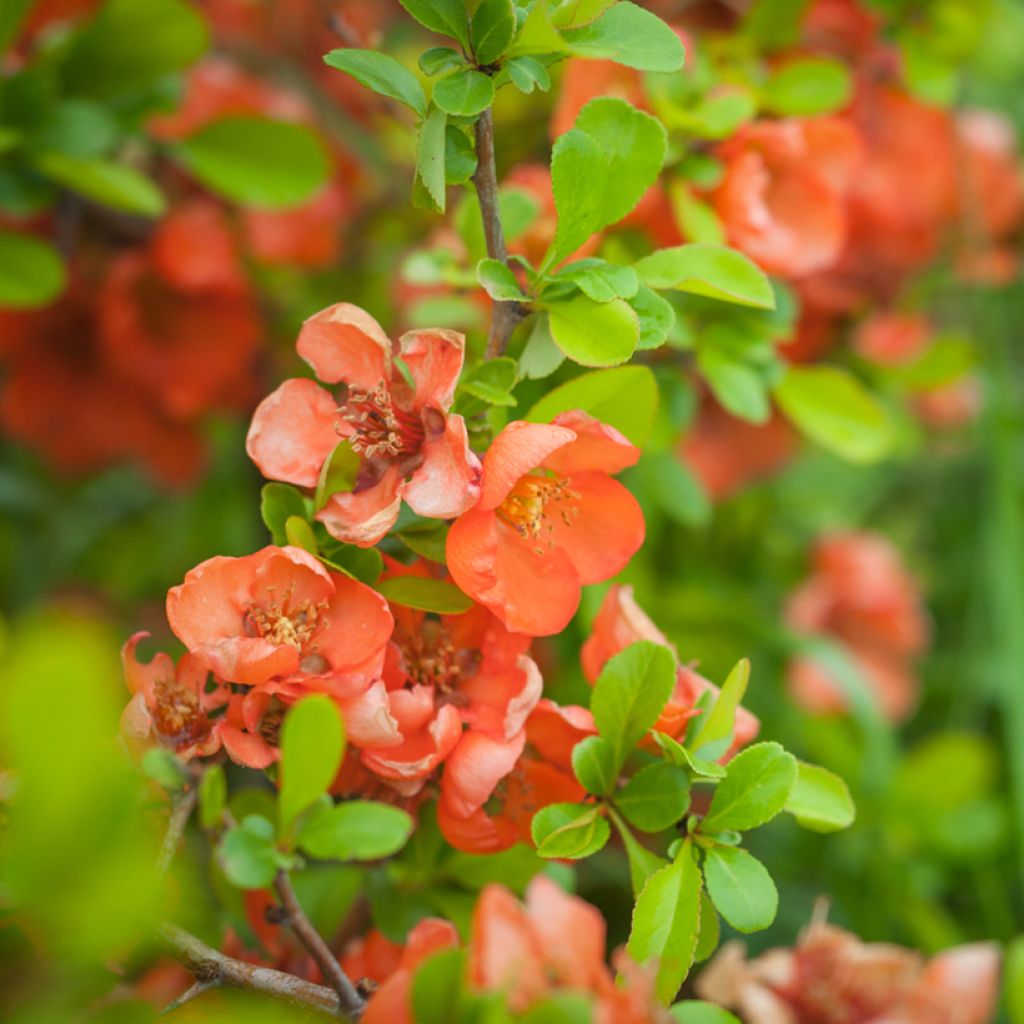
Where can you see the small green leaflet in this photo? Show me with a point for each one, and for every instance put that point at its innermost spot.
(741, 888)
(757, 785)
(382, 74)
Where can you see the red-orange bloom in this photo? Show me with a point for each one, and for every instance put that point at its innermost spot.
(278, 613)
(621, 622)
(892, 339)
(782, 198)
(550, 519)
(861, 594)
(831, 977)
(444, 673)
(409, 446)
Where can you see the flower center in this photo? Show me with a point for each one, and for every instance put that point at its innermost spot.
(284, 625)
(532, 502)
(430, 657)
(178, 714)
(379, 426)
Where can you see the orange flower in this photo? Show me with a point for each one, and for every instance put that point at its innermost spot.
(279, 613)
(408, 445)
(491, 790)
(892, 339)
(621, 622)
(550, 519)
(831, 977)
(861, 594)
(782, 198)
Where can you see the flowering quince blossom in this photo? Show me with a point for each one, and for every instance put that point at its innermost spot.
(550, 519)
(621, 622)
(280, 613)
(491, 791)
(455, 689)
(861, 594)
(831, 977)
(408, 444)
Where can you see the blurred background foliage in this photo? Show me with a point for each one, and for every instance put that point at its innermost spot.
(87, 551)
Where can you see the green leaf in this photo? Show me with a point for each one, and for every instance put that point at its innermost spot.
(431, 145)
(666, 922)
(312, 744)
(11, 16)
(31, 271)
(692, 1011)
(677, 492)
(593, 763)
(741, 888)
(719, 116)
(573, 13)
(247, 853)
(600, 169)
(278, 503)
(560, 1008)
(642, 862)
(213, 796)
(355, 830)
(491, 29)
(594, 333)
(630, 693)
(299, 534)
(820, 800)
(600, 280)
(756, 787)
(110, 184)
(437, 987)
(696, 766)
(427, 595)
(439, 59)
(363, 564)
(569, 831)
(337, 475)
(527, 74)
(382, 74)
(492, 381)
(711, 270)
(737, 385)
(656, 317)
(629, 35)
(130, 44)
(625, 398)
(464, 93)
(1013, 979)
(775, 24)
(696, 218)
(427, 539)
(540, 356)
(834, 409)
(656, 797)
(459, 155)
(446, 17)
(257, 162)
(77, 127)
(803, 88)
(497, 279)
(717, 725)
(710, 929)
(164, 768)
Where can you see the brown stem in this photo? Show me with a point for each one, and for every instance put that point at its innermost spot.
(215, 970)
(507, 315)
(180, 813)
(348, 997)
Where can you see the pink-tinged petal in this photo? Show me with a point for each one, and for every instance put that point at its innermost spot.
(501, 701)
(606, 531)
(519, 448)
(364, 516)
(426, 938)
(136, 721)
(966, 977)
(293, 431)
(412, 707)
(248, 660)
(345, 343)
(420, 754)
(368, 719)
(356, 627)
(247, 749)
(598, 447)
(212, 599)
(619, 623)
(475, 767)
(292, 571)
(554, 729)
(447, 482)
(142, 676)
(479, 833)
(531, 591)
(434, 358)
(555, 915)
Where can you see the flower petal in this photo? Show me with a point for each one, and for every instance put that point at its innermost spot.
(362, 517)
(345, 343)
(447, 483)
(520, 447)
(434, 358)
(293, 432)
(356, 627)
(597, 447)
(475, 767)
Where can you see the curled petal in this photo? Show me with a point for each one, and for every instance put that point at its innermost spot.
(501, 700)
(474, 768)
(619, 622)
(293, 432)
(141, 677)
(434, 358)
(362, 517)
(420, 754)
(598, 447)
(368, 719)
(246, 749)
(519, 448)
(479, 833)
(447, 482)
(345, 343)
(554, 729)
